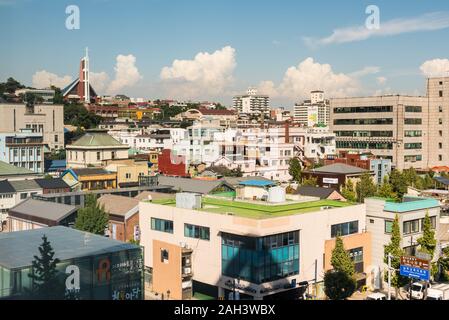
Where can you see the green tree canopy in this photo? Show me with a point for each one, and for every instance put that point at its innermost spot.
(340, 260)
(348, 191)
(394, 248)
(386, 190)
(427, 243)
(310, 182)
(399, 183)
(92, 218)
(338, 285)
(365, 188)
(295, 169)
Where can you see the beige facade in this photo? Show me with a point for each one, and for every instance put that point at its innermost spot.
(314, 230)
(47, 119)
(411, 131)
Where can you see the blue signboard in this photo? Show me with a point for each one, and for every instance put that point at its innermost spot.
(413, 272)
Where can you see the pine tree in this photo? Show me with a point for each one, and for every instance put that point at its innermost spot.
(394, 248)
(365, 188)
(45, 283)
(92, 218)
(398, 183)
(427, 243)
(295, 169)
(340, 260)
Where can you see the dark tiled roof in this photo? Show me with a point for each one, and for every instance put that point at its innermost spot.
(322, 193)
(56, 183)
(339, 168)
(90, 171)
(6, 187)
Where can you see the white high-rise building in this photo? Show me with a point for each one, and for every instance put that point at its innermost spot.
(313, 112)
(252, 103)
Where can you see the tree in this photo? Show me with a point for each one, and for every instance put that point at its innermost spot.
(77, 115)
(386, 190)
(45, 283)
(340, 260)
(310, 182)
(428, 243)
(394, 248)
(92, 218)
(295, 169)
(338, 285)
(398, 183)
(365, 188)
(348, 191)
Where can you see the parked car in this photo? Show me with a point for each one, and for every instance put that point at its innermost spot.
(376, 296)
(418, 289)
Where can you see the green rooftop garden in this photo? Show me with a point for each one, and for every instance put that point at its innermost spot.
(259, 211)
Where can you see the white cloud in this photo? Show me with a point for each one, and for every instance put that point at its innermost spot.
(364, 72)
(381, 80)
(44, 79)
(126, 74)
(309, 75)
(426, 22)
(206, 74)
(99, 81)
(435, 68)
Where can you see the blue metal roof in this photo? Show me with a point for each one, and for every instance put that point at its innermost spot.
(442, 180)
(415, 204)
(257, 183)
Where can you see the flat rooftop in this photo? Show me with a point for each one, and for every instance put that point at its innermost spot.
(248, 209)
(17, 249)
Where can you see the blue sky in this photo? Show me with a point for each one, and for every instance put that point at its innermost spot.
(263, 38)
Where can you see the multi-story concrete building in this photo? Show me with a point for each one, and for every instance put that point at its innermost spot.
(23, 149)
(380, 215)
(411, 131)
(313, 112)
(215, 246)
(47, 119)
(252, 103)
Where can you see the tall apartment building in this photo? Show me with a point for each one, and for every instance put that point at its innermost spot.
(252, 103)
(313, 112)
(412, 131)
(23, 149)
(47, 119)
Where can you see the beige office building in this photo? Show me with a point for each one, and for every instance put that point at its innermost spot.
(412, 131)
(47, 119)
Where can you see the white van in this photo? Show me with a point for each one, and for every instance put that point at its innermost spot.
(376, 296)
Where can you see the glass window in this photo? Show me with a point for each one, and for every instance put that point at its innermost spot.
(388, 226)
(411, 226)
(162, 225)
(344, 229)
(197, 232)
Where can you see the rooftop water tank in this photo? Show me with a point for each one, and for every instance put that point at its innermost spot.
(187, 200)
(276, 195)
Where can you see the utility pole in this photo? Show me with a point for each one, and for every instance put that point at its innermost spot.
(389, 276)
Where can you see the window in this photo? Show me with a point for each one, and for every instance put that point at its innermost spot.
(411, 226)
(413, 158)
(441, 93)
(415, 146)
(433, 222)
(367, 109)
(388, 226)
(128, 175)
(164, 255)
(356, 256)
(56, 138)
(31, 153)
(371, 220)
(113, 155)
(413, 121)
(344, 229)
(413, 109)
(98, 156)
(162, 225)
(440, 145)
(197, 232)
(441, 133)
(23, 196)
(440, 121)
(440, 157)
(413, 133)
(440, 109)
(377, 121)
